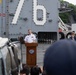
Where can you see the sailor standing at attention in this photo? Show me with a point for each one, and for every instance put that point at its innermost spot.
(30, 38)
(73, 37)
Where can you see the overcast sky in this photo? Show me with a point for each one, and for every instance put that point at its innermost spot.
(71, 1)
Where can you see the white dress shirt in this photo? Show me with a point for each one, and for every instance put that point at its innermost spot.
(30, 38)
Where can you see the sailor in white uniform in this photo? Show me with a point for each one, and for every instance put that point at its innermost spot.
(30, 38)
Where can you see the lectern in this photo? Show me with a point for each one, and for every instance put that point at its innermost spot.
(31, 53)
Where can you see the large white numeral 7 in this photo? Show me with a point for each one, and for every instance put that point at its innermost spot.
(17, 12)
(38, 7)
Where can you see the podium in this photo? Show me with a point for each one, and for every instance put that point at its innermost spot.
(31, 53)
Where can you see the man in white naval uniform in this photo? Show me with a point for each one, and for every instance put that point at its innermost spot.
(30, 38)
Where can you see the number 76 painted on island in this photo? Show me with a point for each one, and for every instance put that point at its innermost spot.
(35, 9)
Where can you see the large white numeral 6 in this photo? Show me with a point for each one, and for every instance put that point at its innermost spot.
(38, 7)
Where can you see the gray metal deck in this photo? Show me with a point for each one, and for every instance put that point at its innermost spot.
(40, 53)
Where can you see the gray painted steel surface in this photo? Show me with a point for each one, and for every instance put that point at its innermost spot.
(25, 20)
